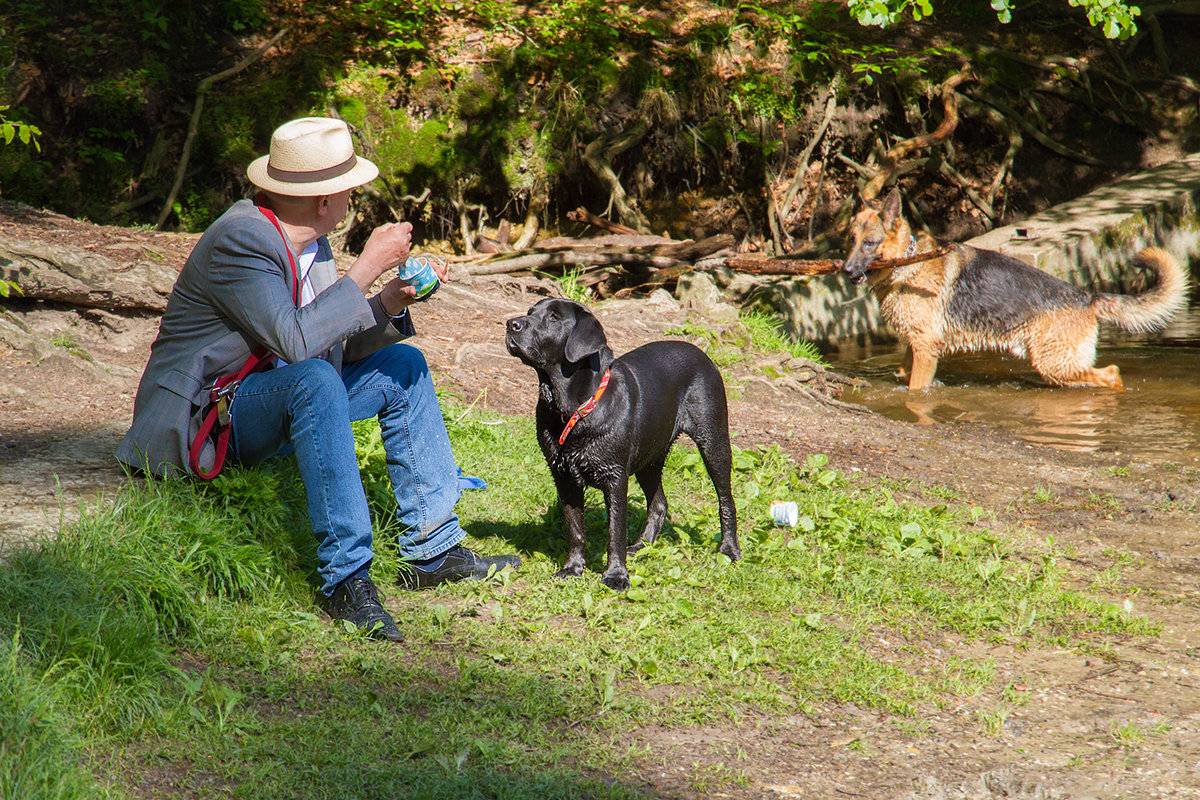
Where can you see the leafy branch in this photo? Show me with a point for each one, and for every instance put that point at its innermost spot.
(1114, 17)
(11, 130)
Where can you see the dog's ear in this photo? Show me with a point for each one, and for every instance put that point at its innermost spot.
(891, 208)
(586, 337)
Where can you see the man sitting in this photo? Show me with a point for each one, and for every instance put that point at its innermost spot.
(262, 279)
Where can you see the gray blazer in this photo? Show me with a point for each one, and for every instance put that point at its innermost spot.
(235, 292)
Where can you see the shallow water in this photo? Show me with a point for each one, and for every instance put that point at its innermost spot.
(1157, 418)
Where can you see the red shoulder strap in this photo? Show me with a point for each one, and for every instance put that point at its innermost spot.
(216, 417)
(287, 248)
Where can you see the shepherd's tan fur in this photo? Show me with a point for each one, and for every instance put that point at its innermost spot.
(972, 300)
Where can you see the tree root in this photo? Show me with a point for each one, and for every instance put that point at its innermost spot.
(464, 210)
(1045, 141)
(964, 185)
(890, 163)
(813, 382)
(598, 156)
(785, 208)
(1084, 70)
(537, 202)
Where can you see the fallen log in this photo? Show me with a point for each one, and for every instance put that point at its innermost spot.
(571, 258)
(691, 251)
(665, 256)
(586, 217)
(627, 240)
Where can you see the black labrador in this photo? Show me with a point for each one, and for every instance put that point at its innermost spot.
(600, 420)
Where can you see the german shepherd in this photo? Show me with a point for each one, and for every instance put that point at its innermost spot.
(967, 299)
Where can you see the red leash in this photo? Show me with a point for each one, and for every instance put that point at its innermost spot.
(220, 395)
(586, 408)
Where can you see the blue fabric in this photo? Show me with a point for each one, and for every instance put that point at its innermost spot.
(310, 406)
(470, 482)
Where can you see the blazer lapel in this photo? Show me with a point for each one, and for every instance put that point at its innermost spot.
(323, 274)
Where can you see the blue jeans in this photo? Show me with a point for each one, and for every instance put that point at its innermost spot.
(310, 406)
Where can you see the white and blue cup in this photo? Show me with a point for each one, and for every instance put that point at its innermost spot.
(785, 512)
(419, 273)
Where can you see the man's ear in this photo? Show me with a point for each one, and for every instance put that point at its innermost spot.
(586, 337)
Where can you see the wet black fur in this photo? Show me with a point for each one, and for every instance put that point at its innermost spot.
(655, 393)
(997, 293)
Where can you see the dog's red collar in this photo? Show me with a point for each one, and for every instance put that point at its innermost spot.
(586, 408)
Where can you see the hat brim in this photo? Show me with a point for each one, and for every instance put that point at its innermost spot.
(364, 171)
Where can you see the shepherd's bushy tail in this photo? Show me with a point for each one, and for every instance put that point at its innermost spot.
(1153, 308)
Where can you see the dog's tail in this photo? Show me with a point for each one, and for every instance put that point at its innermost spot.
(1153, 308)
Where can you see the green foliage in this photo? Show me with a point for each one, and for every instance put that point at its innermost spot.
(67, 342)
(758, 332)
(586, 37)
(767, 335)
(1117, 19)
(1114, 17)
(23, 132)
(38, 747)
(570, 286)
(179, 619)
(128, 62)
(761, 95)
(401, 26)
(495, 127)
(197, 210)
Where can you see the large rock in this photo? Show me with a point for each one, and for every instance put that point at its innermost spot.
(1089, 241)
(65, 273)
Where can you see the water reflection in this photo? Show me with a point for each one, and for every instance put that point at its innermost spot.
(1157, 418)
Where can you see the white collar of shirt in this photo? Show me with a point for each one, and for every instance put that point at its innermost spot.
(304, 263)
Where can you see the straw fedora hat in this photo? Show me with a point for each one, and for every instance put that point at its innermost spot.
(311, 156)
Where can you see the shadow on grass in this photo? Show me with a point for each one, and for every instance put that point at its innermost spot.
(546, 533)
(419, 729)
(104, 625)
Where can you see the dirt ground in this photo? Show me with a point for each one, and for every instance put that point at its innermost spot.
(1078, 726)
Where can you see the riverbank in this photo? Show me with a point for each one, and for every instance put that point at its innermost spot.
(1119, 718)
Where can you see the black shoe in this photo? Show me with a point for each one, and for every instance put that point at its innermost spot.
(356, 600)
(458, 564)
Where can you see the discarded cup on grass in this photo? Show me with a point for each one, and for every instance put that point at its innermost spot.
(785, 512)
(420, 274)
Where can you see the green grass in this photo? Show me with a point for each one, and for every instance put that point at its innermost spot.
(570, 285)
(67, 342)
(767, 334)
(170, 638)
(758, 332)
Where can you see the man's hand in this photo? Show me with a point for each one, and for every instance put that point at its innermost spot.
(397, 294)
(386, 249)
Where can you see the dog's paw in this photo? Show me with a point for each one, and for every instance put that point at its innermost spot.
(617, 581)
(569, 572)
(731, 550)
